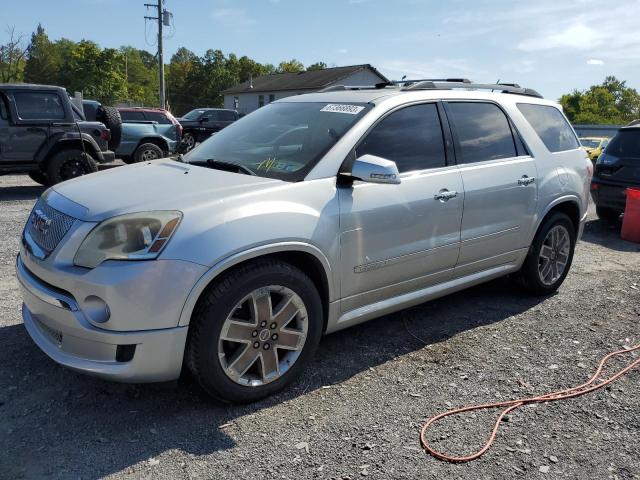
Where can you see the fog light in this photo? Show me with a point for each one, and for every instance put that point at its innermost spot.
(96, 309)
(124, 353)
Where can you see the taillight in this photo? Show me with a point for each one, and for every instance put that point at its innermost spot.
(105, 135)
(594, 186)
(179, 128)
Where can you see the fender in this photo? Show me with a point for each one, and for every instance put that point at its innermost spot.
(93, 147)
(573, 198)
(228, 262)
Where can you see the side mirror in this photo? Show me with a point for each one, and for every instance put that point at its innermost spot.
(372, 169)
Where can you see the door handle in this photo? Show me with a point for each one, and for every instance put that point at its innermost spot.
(444, 195)
(526, 180)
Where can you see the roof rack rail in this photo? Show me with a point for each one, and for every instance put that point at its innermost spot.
(409, 82)
(377, 86)
(449, 85)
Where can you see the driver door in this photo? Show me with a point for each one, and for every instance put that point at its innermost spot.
(400, 238)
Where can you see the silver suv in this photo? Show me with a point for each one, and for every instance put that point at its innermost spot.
(310, 215)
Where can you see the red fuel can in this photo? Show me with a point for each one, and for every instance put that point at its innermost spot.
(631, 219)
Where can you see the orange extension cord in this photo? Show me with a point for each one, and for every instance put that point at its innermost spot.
(511, 405)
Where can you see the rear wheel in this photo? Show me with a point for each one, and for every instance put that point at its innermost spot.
(147, 152)
(608, 215)
(189, 141)
(550, 255)
(68, 164)
(254, 331)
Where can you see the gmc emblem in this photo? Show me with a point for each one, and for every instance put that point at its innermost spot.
(40, 222)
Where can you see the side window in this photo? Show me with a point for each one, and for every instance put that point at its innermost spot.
(483, 131)
(260, 101)
(4, 111)
(411, 137)
(226, 116)
(551, 126)
(132, 116)
(39, 106)
(157, 117)
(272, 98)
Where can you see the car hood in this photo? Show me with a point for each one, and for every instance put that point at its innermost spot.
(159, 185)
(189, 123)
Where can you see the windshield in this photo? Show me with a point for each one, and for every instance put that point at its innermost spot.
(281, 140)
(589, 142)
(625, 144)
(193, 114)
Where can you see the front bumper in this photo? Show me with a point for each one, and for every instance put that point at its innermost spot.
(57, 324)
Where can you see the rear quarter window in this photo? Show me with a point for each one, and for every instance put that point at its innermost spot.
(158, 117)
(551, 126)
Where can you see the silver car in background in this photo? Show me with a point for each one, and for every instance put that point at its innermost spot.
(310, 215)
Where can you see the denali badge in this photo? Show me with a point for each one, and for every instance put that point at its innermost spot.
(40, 222)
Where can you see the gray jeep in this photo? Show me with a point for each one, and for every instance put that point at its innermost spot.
(45, 136)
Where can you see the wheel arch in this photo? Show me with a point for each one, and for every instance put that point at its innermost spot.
(306, 257)
(69, 144)
(158, 141)
(569, 205)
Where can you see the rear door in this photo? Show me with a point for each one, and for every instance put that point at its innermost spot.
(401, 238)
(4, 127)
(35, 111)
(499, 178)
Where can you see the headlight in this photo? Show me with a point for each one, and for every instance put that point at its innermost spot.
(135, 236)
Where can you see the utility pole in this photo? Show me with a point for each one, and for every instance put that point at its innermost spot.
(163, 18)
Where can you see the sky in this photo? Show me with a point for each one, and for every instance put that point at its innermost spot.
(553, 46)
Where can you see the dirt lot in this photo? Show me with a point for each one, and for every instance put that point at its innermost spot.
(357, 411)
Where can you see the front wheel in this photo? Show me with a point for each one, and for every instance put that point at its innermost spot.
(254, 331)
(68, 164)
(39, 177)
(550, 255)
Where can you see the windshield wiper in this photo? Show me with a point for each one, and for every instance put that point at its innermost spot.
(226, 166)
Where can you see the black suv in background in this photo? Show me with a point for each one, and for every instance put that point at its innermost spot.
(45, 136)
(617, 168)
(199, 124)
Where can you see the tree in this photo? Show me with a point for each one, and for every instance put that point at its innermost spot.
(316, 66)
(12, 58)
(43, 61)
(611, 102)
(292, 66)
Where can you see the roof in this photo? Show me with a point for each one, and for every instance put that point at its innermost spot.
(308, 80)
(28, 86)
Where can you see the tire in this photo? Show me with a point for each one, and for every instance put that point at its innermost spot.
(221, 299)
(113, 121)
(188, 141)
(128, 160)
(39, 177)
(147, 152)
(541, 273)
(67, 164)
(608, 215)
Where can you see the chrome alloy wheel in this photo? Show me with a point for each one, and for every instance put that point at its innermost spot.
(554, 255)
(149, 155)
(263, 336)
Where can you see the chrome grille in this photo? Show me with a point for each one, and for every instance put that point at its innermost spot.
(46, 226)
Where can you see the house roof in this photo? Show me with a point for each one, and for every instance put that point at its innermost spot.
(313, 80)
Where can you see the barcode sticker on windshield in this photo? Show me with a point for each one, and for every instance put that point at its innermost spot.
(340, 108)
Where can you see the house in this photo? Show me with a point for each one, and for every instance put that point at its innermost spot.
(253, 94)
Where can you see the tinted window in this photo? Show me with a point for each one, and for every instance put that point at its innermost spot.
(551, 126)
(625, 144)
(157, 117)
(193, 114)
(39, 106)
(4, 113)
(132, 116)
(226, 116)
(411, 137)
(483, 131)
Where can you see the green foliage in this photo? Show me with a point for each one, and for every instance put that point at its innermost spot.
(316, 66)
(611, 102)
(130, 75)
(292, 66)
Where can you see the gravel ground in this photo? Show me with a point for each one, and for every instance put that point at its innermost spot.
(356, 412)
